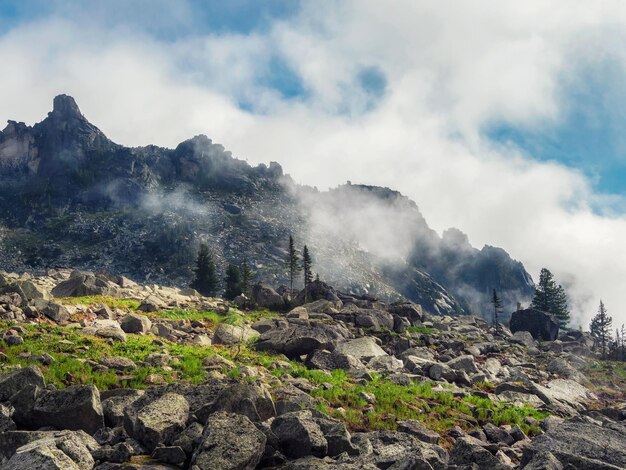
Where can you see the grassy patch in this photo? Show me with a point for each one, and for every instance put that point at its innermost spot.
(438, 410)
(420, 329)
(113, 302)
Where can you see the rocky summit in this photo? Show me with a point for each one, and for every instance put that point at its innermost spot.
(100, 372)
(70, 197)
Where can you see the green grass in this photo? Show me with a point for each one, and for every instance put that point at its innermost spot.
(339, 394)
(233, 317)
(420, 329)
(113, 302)
(438, 410)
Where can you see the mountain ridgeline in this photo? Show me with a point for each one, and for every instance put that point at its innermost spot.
(69, 196)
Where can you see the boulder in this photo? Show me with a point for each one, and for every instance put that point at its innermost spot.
(32, 291)
(374, 319)
(417, 429)
(135, 323)
(290, 398)
(299, 435)
(243, 398)
(295, 337)
(470, 451)
(118, 363)
(364, 348)
(316, 290)
(393, 449)
(6, 423)
(151, 304)
(85, 284)
(540, 325)
(463, 363)
(266, 297)
(159, 421)
(233, 334)
(229, 442)
(76, 407)
(523, 337)
(170, 454)
(580, 443)
(61, 450)
(56, 312)
(409, 310)
(326, 360)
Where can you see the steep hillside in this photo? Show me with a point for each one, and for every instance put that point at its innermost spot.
(71, 197)
(151, 377)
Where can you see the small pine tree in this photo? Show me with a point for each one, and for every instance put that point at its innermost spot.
(623, 344)
(205, 281)
(294, 265)
(233, 282)
(497, 308)
(601, 328)
(246, 277)
(317, 277)
(307, 264)
(550, 297)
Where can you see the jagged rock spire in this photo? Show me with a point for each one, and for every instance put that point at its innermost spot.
(65, 107)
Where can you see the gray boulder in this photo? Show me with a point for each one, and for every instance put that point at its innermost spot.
(19, 379)
(540, 325)
(56, 312)
(76, 407)
(523, 337)
(135, 323)
(266, 297)
(246, 399)
(398, 450)
(418, 430)
(409, 310)
(364, 348)
(299, 435)
(470, 451)
(6, 413)
(159, 421)
(326, 360)
(229, 442)
(316, 290)
(582, 443)
(463, 363)
(233, 334)
(85, 284)
(295, 337)
(63, 451)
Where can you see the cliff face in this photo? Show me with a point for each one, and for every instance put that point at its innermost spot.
(72, 197)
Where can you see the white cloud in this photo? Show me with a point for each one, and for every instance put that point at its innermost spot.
(451, 70)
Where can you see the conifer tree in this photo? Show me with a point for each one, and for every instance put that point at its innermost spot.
(601, 328)
(307, 264)
(246, 277)
(550, 297)
(233, 282)
(205, 281)
(294, 265)
(497, 308)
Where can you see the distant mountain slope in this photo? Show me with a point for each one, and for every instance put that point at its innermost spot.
(69, 196)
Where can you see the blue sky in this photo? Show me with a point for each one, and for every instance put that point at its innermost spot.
(504, 119)
(588, 135)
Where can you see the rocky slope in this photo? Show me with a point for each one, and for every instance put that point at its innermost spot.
(128, 376)
(71, 197)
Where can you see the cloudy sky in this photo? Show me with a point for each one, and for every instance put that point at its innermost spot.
(504, 119)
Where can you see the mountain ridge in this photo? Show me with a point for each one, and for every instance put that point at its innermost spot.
(72, 197)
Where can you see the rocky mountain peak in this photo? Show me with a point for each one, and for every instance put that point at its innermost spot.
(65, 107)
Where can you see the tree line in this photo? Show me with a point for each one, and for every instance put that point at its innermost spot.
(238, 277)
(550, 297)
